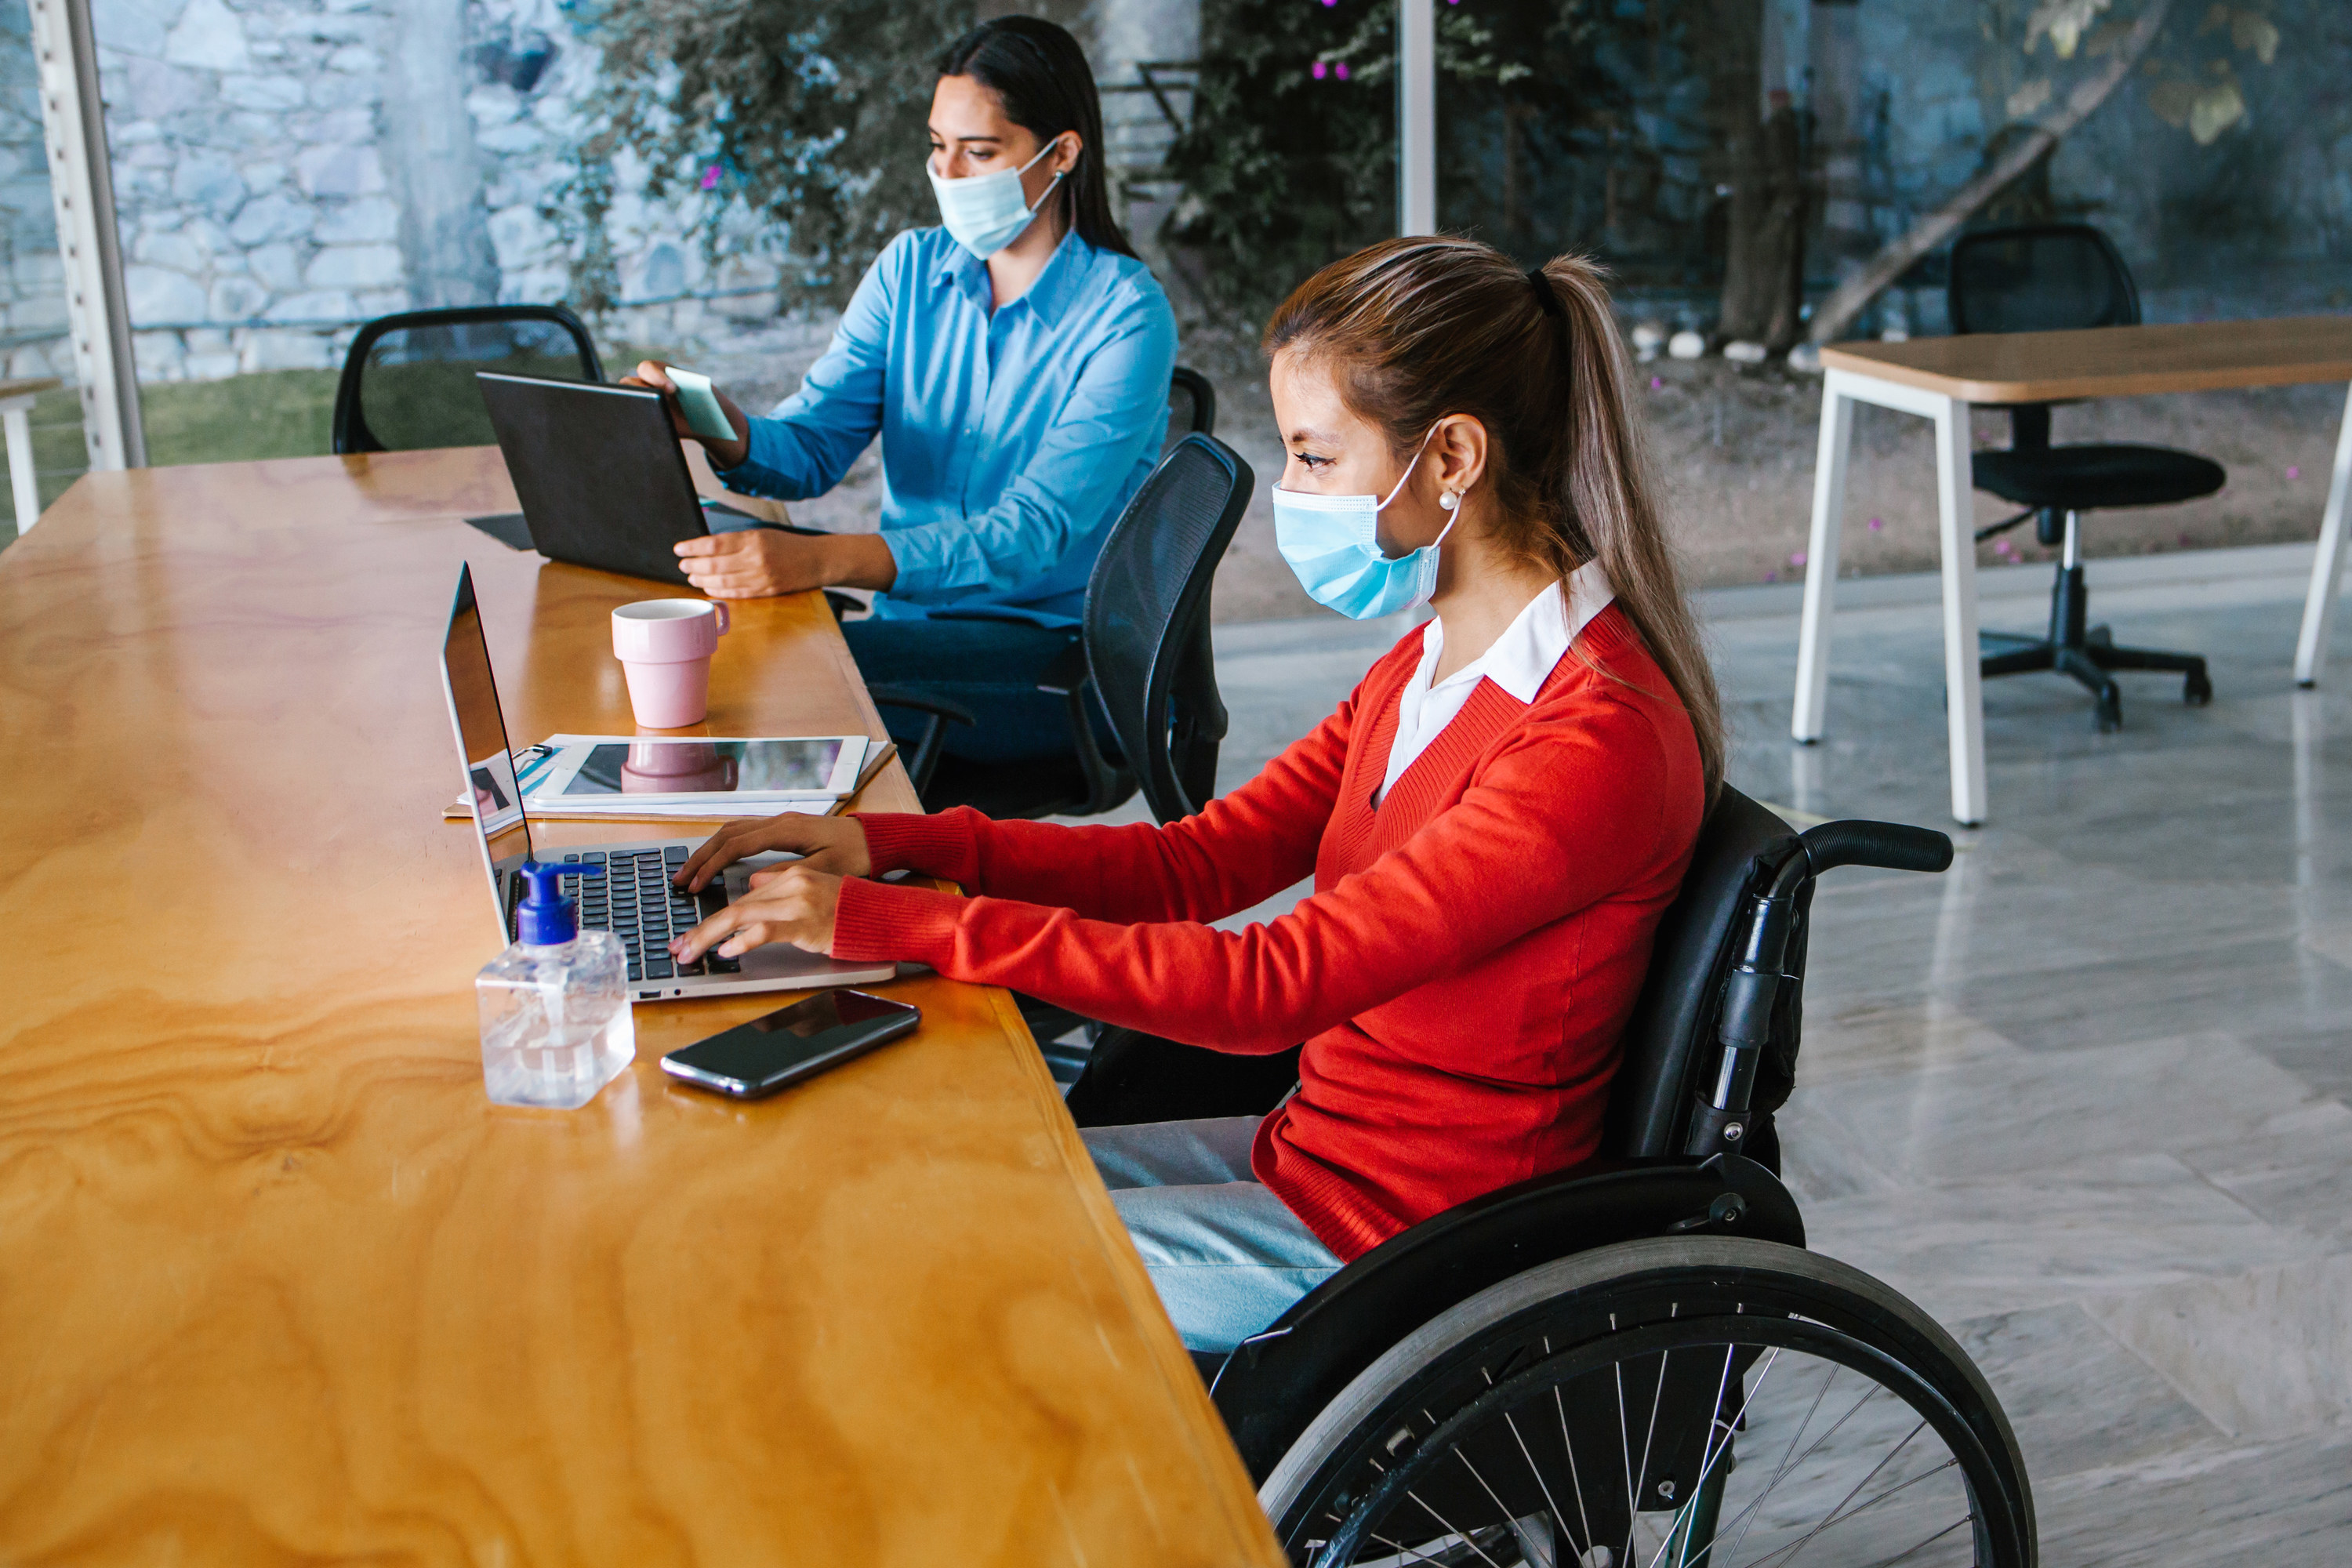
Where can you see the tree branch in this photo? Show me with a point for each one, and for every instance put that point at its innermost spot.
(1849, 298)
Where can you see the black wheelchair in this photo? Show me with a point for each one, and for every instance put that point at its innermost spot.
(1635, 1363)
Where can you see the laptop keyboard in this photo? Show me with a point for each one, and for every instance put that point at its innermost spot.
(636, 902)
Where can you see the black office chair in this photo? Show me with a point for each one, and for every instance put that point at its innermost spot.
(1140, 658)
(408, 381)
(1192, 408)
(1635, 1361)
(2041, 277)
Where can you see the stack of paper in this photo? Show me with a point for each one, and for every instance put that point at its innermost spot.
(624, 808)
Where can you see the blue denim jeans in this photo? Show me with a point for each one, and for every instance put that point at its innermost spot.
(1225, 1256)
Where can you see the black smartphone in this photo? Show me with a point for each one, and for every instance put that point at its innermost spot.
(791, 1043)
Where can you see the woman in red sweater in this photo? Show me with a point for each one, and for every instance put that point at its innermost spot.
(1495, 819)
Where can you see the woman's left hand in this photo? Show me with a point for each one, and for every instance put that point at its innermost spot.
(788, 903)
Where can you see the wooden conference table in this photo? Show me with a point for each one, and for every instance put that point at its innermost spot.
(276, 1281)
(1942, 378)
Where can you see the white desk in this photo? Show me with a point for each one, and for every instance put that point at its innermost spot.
(17, 420)
(1940, 379)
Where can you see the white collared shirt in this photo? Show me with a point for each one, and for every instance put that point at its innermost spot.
(1520, 662)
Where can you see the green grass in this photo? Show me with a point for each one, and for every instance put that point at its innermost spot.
(272, 414)
(268, 414)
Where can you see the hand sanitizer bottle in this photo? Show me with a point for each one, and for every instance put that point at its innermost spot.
(555, 1006)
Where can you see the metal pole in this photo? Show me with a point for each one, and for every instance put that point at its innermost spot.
(1416, 117)
(81, 186)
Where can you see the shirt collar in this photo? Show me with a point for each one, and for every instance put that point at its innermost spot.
(1523, 657)
(1048, 297)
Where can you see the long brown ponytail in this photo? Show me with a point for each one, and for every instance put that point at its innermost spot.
(1418, 328)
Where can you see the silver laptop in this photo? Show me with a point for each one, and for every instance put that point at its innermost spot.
(635, 898)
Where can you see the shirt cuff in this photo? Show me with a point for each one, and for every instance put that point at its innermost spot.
(924, 569)
(944, 845)
(881, 921)
(767, 468)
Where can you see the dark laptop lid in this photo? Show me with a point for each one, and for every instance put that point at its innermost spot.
(598, 470)
(484, 753)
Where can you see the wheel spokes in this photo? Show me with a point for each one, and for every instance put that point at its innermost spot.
(1466, 1538)
(1870, 1486)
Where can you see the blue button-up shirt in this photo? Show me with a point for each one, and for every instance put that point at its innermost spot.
(1012, 440)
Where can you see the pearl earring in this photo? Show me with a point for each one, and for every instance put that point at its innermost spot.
(1447, 501)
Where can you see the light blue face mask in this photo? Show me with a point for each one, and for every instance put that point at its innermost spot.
(1333, 545)
(985, 213)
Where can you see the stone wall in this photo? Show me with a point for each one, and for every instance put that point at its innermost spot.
(286, 169)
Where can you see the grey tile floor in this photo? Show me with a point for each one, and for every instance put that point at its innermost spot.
(2083, 1096)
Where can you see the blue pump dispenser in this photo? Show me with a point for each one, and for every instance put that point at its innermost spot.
(554, 1007)
(546, 918)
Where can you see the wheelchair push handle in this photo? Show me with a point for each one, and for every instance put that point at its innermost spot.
(1894, 846)
(1760, 973)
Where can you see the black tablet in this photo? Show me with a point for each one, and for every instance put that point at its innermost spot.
(598, 470)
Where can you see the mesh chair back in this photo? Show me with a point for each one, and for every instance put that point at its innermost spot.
(1666, 1038)
(2040, 277)
(408, 382)
(1147, 621)
(1192, 408)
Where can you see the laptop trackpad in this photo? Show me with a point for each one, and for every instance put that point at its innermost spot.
(779, 960)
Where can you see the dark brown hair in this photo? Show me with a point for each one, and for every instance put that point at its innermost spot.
(1418, 328)
(1040, 74)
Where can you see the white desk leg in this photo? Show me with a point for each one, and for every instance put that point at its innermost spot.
(2326, 565)
(1963, 690)
(1812, 710)
(16, 419)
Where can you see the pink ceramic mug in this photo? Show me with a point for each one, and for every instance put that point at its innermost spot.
(665, 646)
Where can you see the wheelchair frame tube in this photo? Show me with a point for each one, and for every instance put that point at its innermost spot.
(1720, 1120)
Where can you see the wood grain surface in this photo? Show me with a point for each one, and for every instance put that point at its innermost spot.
(279, 1284)
(2110, 362)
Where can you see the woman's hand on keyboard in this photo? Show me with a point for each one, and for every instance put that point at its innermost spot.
(830, 843)
(791, 904)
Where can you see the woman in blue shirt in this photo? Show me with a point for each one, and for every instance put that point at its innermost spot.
(1015, 364)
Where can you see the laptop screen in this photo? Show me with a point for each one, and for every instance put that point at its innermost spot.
(481, 730)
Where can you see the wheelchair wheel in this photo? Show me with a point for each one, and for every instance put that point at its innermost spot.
(1679, 1402)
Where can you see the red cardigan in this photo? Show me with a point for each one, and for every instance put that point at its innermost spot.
(1461, 974)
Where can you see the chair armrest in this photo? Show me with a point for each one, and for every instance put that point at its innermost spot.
(907, 697)
(1068, 671)
(926, 759)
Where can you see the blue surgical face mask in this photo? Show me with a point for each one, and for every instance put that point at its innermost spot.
(1333, 545)
(985, 213)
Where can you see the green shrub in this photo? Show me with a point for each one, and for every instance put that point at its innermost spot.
(1290, 159)
(803, 125)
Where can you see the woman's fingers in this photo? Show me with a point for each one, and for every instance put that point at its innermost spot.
(708, 934)
(788, 833)
(795, 907)
(720, 850)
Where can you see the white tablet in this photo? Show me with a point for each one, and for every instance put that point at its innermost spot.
(653, 771)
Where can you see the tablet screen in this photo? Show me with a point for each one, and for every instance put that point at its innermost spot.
(706, 767)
